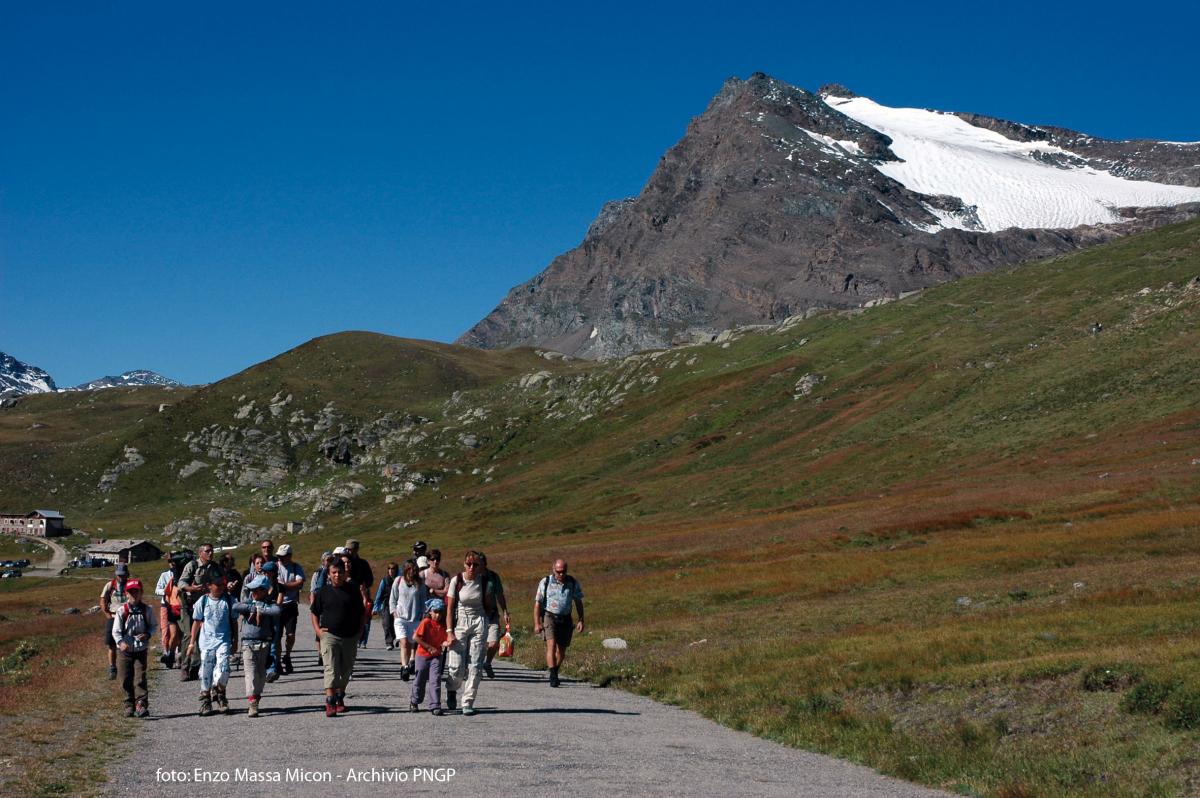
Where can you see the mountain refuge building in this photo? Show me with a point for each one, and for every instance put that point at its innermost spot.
(37, 524)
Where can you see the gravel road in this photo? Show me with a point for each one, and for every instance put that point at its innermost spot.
(527, 739)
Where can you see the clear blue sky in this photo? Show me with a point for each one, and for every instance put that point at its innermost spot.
(195, 187)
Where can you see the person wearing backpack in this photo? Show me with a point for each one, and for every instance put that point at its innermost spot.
(261, 617)
(499, 612)
(552, 615)
(132, 627)
(406, 604)
(193, 583)
(213, 628)
(113, 595)
(471, 600)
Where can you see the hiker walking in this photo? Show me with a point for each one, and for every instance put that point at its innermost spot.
(132, 627)
(407, 606)
(113, 595)
(498, 613)
(471, 600)
(290, 576)
(214, 630)
(166, 653)
(437, 581)
(260, 617)
(193, 583)
(552, 615)
(382, 606)
(320, 578)
(361, 578)
(337, 619)
(430, 637)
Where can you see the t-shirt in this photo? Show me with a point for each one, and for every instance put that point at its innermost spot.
(558, 598)
(435, 633)
(470, 597)
(164, 579)
(339, 609)
(217, 617)
(113, 595)
(289, 573)
(198, 573)
(360, 573)
(436, 581)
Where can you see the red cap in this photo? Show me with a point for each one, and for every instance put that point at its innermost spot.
(133, 584)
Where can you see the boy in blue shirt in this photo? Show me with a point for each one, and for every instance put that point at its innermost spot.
(213, 627)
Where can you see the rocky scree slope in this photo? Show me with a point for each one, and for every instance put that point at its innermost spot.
(776, 202)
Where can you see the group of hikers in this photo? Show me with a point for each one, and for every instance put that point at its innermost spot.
(443, 626)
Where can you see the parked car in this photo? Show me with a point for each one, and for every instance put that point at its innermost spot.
(12, 573)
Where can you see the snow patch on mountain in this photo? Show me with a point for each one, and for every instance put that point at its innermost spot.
(1003, 179)
(18, 379)
(128, 379)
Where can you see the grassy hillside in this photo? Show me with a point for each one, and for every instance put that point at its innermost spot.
(953, 537)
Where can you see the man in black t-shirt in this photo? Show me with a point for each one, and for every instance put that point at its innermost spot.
(337, 619)
(360, 577)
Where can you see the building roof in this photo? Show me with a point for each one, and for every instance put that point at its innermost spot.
(49, 514)
(116, 546)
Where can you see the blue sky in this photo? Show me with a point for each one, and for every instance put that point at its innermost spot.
(193, 188)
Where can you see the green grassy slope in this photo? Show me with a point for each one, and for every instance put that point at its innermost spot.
(922, 525)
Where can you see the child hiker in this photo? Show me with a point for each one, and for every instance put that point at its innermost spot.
(213, 627)
(258, 631)
(133, 624)
(430, 638)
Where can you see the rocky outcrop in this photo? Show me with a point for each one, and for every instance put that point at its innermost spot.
(131, 460)
(769, 206)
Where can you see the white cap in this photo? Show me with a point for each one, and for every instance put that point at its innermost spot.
(284, 550)
(339, 550)
(422, 561)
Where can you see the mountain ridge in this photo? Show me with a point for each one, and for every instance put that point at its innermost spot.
(775, 202)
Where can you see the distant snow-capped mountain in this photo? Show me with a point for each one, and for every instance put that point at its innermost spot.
(18, 379)
(129, 379)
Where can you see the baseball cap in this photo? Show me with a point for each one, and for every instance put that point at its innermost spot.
(339, 550)
(422, 562)
(420, 546)
(122, 569)
(133, 584)
(285, 550)
(434, 604)
(257, 582)
(269, 565)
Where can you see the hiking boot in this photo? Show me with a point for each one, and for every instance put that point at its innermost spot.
(185, 675)
(554, 677)
(413, 708)
(205, 704)
(404, 672)
(437, 712)
(252, 712)
(330, 707)
(143, 710)
(287, 664)
(129, 710)
(487, 668)
(451, 700)
(170, 663)
(112, 672)
(194, 672)
(340, 706)
(468, 711)
(221, 701)
(272, 676)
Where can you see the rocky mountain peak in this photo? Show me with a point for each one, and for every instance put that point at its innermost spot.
(18, 378)
(777, 200)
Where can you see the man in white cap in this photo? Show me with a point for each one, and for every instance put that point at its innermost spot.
(290, 575)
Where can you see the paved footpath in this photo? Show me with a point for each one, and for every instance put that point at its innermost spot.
(527, 739)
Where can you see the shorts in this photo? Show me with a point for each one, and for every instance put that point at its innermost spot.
(405, 629)
(108, 638)
(174, 613)
(289, 612)
(558, 628)
(493, 633)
